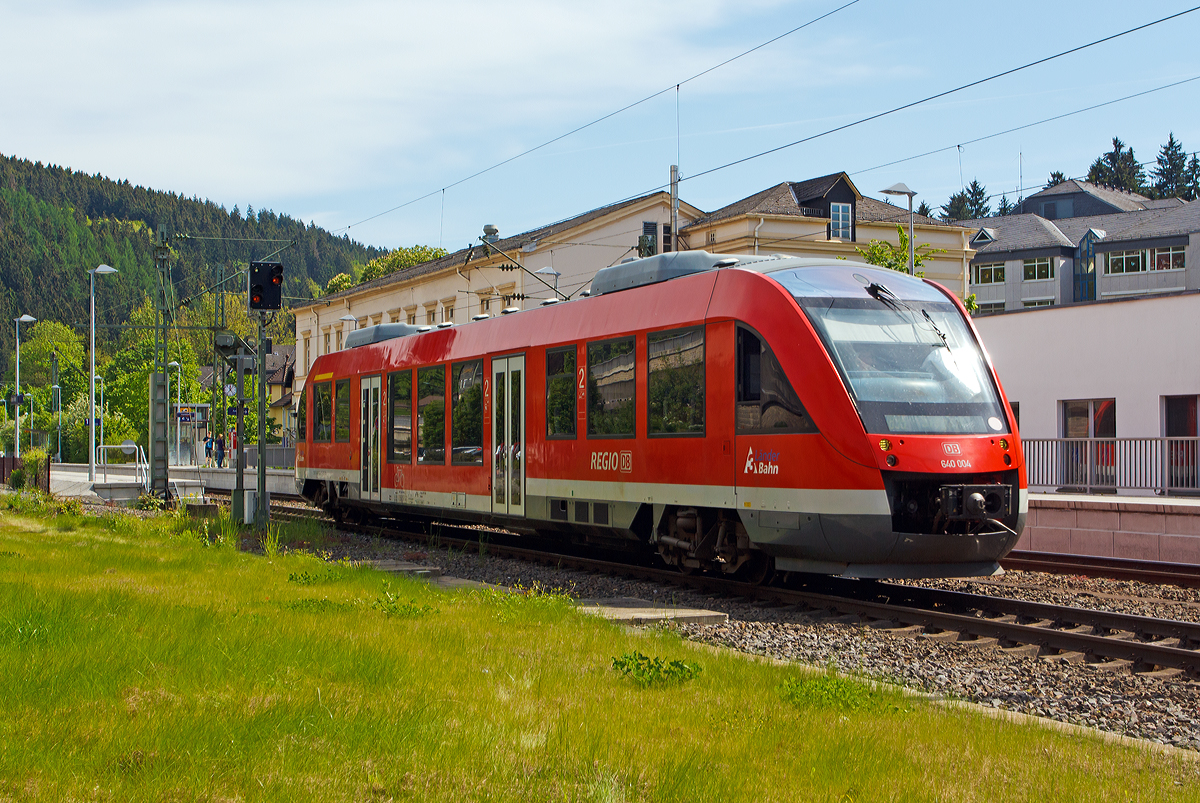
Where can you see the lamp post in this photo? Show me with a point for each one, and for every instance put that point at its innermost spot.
(902, 189)
(348, 318)
(178, 384)
(58, 404)
(103, 270)
(550, 271)
(17, 431)
(96, 377)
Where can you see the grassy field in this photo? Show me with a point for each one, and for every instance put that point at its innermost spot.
(151, 660)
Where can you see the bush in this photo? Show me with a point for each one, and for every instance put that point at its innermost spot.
(35, 468)
(149, 501)
(647, 671)
(16, 479)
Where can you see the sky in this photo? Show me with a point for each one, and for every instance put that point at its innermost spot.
(340, 113)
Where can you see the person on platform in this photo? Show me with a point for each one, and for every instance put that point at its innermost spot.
(220, 451)
(208, 450)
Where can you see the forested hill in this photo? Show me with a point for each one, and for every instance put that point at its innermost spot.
(56, 224)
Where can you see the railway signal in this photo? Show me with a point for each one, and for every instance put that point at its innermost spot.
(266, 285)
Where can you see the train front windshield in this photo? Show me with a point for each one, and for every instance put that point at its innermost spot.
(911, 363)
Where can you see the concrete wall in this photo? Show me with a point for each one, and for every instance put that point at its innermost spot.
(1136, 351)
(1111, 529)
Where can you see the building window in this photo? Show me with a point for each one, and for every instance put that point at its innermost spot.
(988, 274)
(712, 238)
(307, 354)
(1040, 268)
(431, 316)
(339, 339)
(840, 227)
(666, 237)
(1168, 258)
(1091, 418)
(1125, 262)
(326, 351)
(675, 382)
(560, 392)
(431, 402)
(466, 413)
(400, 389)
(412, 319)
(1038, 302)
(1181, 417)
(648, 243)
(485, 305)
(988, 307)
(341, 413)
(610, 388)
(448, 313)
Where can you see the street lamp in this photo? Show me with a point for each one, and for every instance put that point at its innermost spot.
(17, 431)
(178, 385)
(94, 378)
(58, 404)
(103, 270)
(550, 271)
(348, 318)
(902, 189)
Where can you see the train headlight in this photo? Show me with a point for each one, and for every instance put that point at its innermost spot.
(884, 444)
(1003, 443)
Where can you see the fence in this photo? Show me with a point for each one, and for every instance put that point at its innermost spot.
(9, 463)
(1163, 466)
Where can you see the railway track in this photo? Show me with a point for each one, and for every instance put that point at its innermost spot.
(1113, 640)
(1145, 571)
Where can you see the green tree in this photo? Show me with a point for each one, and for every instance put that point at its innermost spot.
(977, 201)
(399, 259)
(1193, 180)
(895, 257)
(45, 338)
(957, 208)
(1006, 207)
(339, 283)
(925, 209)
(1056, 177)
(1171, 171)
(1119, 169)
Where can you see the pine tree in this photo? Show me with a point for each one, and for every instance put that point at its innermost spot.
(977, 201)
(925, 209)
(1119, 169)
(1005, 207)
(1171, 173)
(956, 207)
(1056, 177)
(1192, 187)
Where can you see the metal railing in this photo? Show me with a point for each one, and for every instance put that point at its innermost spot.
(1162, 466)
(141, 466)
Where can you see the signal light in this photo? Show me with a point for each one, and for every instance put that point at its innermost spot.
(266, 285)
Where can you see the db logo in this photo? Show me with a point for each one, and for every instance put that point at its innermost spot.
(951, 448)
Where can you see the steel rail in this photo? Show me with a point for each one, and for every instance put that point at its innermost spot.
(1145, 571)
(918, 606)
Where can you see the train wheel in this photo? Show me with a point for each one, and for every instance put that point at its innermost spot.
(759, 570)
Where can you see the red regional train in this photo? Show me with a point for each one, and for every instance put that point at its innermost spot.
(735, 414)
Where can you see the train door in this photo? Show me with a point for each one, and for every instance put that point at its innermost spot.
(372, 408)
(508, 435)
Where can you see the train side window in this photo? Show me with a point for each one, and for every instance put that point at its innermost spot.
(341, 412)
(766, 401)
(322, 412)
(610, 388)
(302, 416)
(400, 432)
(466, 413)
(431, 415)
(675, 382)
(560, 393)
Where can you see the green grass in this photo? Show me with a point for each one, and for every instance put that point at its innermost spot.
(152, 661)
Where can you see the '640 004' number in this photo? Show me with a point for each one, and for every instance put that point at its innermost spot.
(956, 464)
